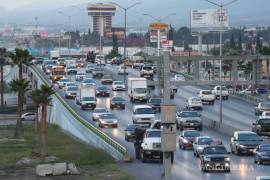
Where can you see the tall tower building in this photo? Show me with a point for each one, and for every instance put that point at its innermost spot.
(102, 16)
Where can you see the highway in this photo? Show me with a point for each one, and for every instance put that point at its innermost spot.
(186, 166)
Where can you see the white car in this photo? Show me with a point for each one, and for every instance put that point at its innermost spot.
(88, 81)
(30, 116)
(121, 69)
(80, 76)
(207, 96)
(194, 103)
(265, 114)
(68, 84)
(246, 91)
(118, 85)
(62, 82)
(179, 77)
(97, 112)
(199, 143)
(143, 115)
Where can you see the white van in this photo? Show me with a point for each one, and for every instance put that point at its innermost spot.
(100, 60)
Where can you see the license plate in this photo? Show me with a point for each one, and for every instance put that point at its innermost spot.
(217, 164)
(192, 124)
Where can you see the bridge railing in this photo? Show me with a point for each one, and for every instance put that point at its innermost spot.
(121, 149)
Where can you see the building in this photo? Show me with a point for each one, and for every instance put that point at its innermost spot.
(102, 16)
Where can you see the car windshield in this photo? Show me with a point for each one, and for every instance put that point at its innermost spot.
(264, 121)
(189, 114)
(71, 84)
(81, 74)
(101, 110)
(140, 90)
(266, 104)
(215, 150)
(58, 73)
(117, 99)
(107, 116)
(88, 98)
(118, 83)
(206, 92)
(64, 80)
(153, 134)
(72, 88)
(265, 148)
(205, 141)
(88, 81)
(144, 111)
(191, 134)
(102, 88)
(195, 99)
(248, 137)
(156, 100)
(133, 127)
(107, 77)
(147, 68)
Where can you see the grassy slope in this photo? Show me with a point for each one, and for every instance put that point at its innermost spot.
(64, 147)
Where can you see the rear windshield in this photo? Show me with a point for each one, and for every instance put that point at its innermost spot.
(206, 92)
(153, 134)
(72, 88)
(205, 141)
(248, 137)
(147, 68)
(264, 121)
(215, 150)
(191, 134)
(189, 114)
(155, 100)
(144, 111)
(88, 99)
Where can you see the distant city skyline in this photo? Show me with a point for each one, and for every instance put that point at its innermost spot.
(241, 13)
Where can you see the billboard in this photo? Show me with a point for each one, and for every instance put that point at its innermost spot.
(154, 35)
(206, 20)
(158, 26)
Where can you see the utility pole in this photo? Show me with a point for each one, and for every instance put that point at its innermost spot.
(125, 32)
(221, 6)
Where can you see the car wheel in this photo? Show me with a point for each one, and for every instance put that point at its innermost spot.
(183, 147)
(143, 157)
(177, 125)
(237, 152)
(116, 126)
(124, 107)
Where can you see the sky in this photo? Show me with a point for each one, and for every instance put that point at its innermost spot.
(241, 13)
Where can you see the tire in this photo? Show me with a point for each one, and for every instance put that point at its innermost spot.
(213, 102)
(116, 126)
(177, 126)
(183, 147)
(143, 157)
(181, 128)
(200, 128)
(124, 108)
(237, 152)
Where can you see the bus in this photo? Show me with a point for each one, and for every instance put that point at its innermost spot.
(57, 73)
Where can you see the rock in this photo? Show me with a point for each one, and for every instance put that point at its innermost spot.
(44, 170)
(59, 169)
(24, 161)
(72, 169)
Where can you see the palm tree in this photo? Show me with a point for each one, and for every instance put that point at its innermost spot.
(46, 99)
(22, 87)
(3, 61)
(21, 58)
(36, 96)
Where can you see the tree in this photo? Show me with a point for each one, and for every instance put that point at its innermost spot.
(21, 86)
(114, 52)
(46, 100)
(3, 61)
(21, 58)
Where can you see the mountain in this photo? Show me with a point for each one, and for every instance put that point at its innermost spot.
(241, 13)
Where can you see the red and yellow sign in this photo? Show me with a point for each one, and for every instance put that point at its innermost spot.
(158, 26)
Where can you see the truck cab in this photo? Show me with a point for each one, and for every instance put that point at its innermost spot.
(86, 97)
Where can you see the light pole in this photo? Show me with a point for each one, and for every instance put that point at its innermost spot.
(69, 21)
(158, 31)
(83, 11)
(125, 33)
(221, 6)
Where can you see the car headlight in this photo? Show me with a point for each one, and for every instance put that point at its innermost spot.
(185, 141)
(207, 158)
(115, 121)
(145, 146)
(227, 159)
(200, 148)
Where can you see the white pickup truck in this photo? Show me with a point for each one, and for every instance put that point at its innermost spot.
(143, 115)
(207, 96)
(224, 92)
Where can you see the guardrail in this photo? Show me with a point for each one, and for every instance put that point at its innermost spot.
(122, 150)
(247, 97)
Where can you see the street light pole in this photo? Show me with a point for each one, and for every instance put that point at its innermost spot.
(220, 53)
(125, 31)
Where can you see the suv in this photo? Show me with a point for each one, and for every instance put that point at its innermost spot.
(97, 72)
(262, 126)
(207, 96)
(215, 158)
(147, 71)
(188, 119)
(194, 103)
(151, 145)
(143, 115)
(262, 106)
(244, 142)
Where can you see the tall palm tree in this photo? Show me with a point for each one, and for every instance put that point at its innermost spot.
(21, 58)
(36, 96)
(46, 92)
(21, 86)
(3, 61)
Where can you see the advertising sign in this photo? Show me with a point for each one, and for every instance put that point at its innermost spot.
(209, 20)
(158, 26)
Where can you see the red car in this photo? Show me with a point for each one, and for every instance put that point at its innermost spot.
(186, 139)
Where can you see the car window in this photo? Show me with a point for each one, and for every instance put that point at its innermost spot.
(248, 137)
(153, 134)
(189, 114)
(205, 141)
(206, 92)
(264, 121)
(191, 134)
(117, 99)
(144, 111)
(215, 150)
(100, 111)
(155, 100)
